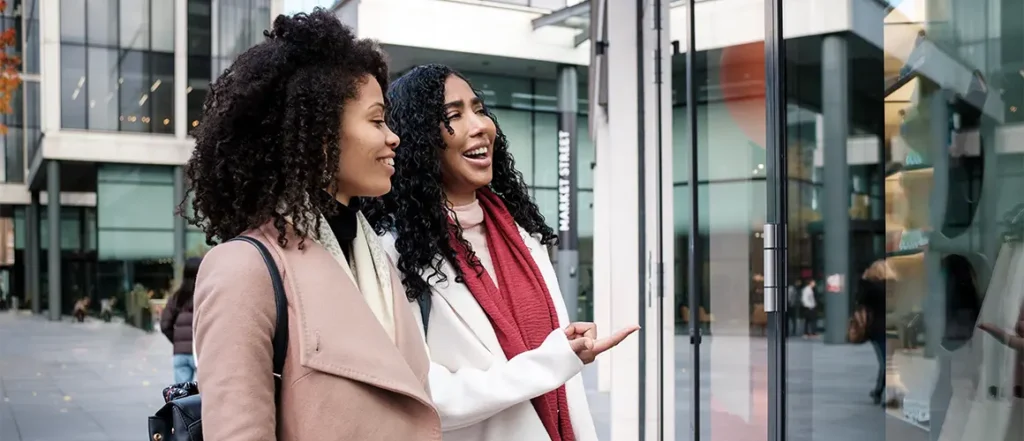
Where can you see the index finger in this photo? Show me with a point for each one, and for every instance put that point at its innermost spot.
(613, 340)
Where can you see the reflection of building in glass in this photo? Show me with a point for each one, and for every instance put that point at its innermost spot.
(118, 96)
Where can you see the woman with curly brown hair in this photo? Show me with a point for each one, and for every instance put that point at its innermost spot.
(293, 135)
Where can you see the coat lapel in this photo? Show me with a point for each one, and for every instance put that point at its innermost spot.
(339, 334)
(464, 304)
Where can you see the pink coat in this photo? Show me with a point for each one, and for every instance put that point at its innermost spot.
(344, 379)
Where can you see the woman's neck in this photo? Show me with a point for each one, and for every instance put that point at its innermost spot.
(343, 198)
(458, 199)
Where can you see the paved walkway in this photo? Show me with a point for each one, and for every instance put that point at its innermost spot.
(100, 381)
(90, 381)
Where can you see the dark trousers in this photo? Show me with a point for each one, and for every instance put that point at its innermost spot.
(879, 345)
(810, 321)
(793, 317)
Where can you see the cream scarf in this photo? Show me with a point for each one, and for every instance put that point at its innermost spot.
(368, 270)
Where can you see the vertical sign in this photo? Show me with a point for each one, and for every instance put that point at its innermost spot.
(568, 236)
(567, 186)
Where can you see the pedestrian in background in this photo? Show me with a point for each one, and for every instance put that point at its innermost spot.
(505, 360)
(292, 136)
(176, 323)
(808, 299)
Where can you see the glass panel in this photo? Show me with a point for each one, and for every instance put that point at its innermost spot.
(102, 88)
(32, 117)
(134, 24)
(547, 202)
(585, 158)
(499, 91)
(14, 140)
(134, 91)
(731, 191)
(72, 21)
(585, 225)
(942, 275)
(31, 59)
(545, 151)
(161, 93)
(517, 127)
(72, 86)
(162, 20)
(101, 19)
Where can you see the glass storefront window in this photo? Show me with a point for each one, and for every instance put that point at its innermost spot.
(135, 230)
(117, 65)
(213, 44)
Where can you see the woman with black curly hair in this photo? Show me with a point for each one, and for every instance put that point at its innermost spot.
(293, 133)
(505, 361)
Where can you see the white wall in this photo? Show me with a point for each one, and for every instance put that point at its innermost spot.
(466, 27)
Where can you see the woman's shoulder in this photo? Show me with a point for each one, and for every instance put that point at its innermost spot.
(234, 266)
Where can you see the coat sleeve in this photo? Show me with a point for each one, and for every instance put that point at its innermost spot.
(234, 319)
(465, 396)
(167, 318)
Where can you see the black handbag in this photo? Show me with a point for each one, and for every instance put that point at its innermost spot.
(180, 419)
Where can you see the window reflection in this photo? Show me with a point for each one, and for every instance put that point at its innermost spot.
(214, 44)
(117, 73)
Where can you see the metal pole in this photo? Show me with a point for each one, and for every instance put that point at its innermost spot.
(659, 221)
(179, 221)
(568, 189)
(644, 294)
(693, 286)
(53, 270)
(32, 254)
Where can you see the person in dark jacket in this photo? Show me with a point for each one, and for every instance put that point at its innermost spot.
(176, 323)
(872, 298)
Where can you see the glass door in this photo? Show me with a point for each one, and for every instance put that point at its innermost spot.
(720, 177)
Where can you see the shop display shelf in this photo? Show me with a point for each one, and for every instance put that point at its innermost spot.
(928, 61)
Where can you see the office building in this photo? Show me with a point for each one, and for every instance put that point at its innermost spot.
(111, 90)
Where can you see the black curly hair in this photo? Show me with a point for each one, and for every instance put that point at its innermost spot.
(416, 208)
(268, 147)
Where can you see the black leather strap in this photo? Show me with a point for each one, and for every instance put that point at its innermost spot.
(424, 301)
(281, 328)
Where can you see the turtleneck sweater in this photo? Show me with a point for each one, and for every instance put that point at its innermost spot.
(471, 219)
(343, 224)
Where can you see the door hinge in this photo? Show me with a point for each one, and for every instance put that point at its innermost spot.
(774, 253)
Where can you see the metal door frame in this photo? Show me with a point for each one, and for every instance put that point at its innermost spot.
(776, 226)
(774, 234)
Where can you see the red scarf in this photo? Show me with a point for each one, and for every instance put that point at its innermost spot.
(521, 311)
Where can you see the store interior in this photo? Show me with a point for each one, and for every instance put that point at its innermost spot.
(953, 207)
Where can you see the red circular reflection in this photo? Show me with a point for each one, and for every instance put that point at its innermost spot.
(743, 88)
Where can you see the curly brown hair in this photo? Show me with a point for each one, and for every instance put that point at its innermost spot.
(271, 122)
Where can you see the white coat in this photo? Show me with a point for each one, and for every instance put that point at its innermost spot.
(481, 395)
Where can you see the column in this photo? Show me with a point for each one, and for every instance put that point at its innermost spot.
(180, 69)
(179, 221)
(53, 229)
(836, 201)
(568, 189)
(49, 65)
(32, 254)
(620, 238)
